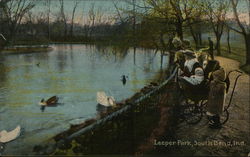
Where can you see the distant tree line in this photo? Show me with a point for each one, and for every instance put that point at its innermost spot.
(21, 22)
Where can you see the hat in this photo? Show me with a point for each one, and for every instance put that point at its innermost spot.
(189, 53)
(176, 42)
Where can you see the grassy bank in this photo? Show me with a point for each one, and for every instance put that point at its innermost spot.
(238, 53)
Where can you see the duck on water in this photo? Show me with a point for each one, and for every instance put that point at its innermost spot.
(124, 79)
(51, 102)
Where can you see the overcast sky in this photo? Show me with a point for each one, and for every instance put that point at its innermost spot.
(105, 6)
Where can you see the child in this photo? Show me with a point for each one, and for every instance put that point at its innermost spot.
(190, 64)
(216, 97)
(197, 78)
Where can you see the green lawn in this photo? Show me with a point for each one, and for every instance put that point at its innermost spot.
(238, 53)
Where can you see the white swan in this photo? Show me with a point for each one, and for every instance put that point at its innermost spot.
(105, 100)
(9, 136)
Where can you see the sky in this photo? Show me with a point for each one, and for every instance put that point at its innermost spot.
(83, 4)
(106, 7)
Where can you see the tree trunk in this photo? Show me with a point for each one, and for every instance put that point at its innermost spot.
(196, 41)
(200, 38)
(71, 29)
(134, 55)
(194, 36)
(228, 40)
(218, 45)
(247, 41)
(179, 30)
(72, 20)
(162, 59)
(65, 29)
(48, 18)
(164, 46)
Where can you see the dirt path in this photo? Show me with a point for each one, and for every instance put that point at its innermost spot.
(231, 140)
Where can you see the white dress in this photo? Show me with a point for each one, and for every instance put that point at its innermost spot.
(197, 78)
(194, 80)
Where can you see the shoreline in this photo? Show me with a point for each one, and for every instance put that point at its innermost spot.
(25, 50)
(40, 48)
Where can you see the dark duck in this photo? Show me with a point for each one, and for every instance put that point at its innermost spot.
(124, 79)
(51, 102)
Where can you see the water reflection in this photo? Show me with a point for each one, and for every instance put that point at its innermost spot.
(42, 108)
(2, 74)
(73, 72)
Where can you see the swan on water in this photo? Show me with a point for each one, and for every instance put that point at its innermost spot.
(9, 136)
(105, 100)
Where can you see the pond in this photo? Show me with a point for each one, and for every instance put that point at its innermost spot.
(75, 73)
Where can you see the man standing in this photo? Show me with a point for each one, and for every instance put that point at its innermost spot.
(211, 48)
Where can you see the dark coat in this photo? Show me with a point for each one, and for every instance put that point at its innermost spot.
(217, 92)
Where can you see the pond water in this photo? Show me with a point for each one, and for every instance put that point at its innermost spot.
(74, 73)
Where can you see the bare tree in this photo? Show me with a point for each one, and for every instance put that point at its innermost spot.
(63, 17)
(243, 26)
(76, 2)
(216, 12)
(48, 4)
(95, 19)
(118, 12)
(194, 14)
(184, 12)
(228, 40)
(14, 11)
(179, 19)
(178, 13)
(91, 18)
(134, 30)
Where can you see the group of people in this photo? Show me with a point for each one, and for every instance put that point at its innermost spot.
(198, 75)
